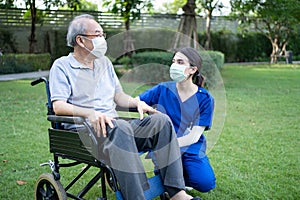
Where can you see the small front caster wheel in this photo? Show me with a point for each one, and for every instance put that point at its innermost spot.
(47, 188)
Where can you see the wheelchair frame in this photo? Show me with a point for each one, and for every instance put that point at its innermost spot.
(67, 144)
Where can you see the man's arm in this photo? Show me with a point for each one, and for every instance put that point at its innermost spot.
(97, 119)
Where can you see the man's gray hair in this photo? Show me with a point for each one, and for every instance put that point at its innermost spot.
(77, 26)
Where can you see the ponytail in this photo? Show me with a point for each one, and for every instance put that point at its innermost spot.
(199, 79)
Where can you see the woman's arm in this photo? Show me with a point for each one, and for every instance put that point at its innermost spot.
(124, 100)
(192, 137)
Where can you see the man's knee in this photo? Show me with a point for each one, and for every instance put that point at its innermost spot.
(161, 117)
(161, 120)
(121, 136)
(123, 126)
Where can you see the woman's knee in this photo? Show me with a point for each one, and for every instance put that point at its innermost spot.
(203, 184)
(199, 174)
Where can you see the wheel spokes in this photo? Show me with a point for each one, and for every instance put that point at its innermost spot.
(47, 191)
(50, 191)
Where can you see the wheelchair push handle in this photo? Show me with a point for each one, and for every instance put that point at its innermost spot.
(39, 80)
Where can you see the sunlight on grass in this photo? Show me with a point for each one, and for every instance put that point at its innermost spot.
(256, 156)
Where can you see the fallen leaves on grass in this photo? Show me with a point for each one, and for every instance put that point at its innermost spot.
(20, 182)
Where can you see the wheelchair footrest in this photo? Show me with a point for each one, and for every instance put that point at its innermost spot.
(155, 190)
(156, 187)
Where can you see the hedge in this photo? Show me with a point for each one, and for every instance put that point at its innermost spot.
(153, 67)
(165, 58)
(18, 63)
(236, 47)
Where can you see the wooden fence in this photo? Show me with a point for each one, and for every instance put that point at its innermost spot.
(59, 19)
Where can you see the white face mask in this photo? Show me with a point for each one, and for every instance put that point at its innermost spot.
(100, 47)
(177, 72)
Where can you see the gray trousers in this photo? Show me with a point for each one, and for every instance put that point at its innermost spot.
(120, 150)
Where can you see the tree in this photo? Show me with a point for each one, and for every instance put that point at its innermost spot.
(129, 10)
(187, 31)
(188, 22)
(209, 6)
(36, 16)
(6, 3)
(171, 7)
(276, 19)
(79, 5)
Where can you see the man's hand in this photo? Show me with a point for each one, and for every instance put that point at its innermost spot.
(142, 108)
(99, 121)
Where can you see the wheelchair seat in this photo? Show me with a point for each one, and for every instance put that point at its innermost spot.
(68, 144)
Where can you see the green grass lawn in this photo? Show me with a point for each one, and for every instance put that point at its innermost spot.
(257, 155)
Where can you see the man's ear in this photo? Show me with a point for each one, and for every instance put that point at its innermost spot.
(79, 41)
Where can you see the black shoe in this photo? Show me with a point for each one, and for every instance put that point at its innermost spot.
(196, 198)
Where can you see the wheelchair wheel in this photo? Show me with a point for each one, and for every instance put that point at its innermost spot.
(48, 188)
(110, 181)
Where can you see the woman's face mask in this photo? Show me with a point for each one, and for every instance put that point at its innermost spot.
(100, 46)
(177, 72)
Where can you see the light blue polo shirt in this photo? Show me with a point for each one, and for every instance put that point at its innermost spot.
(196, 110)
(81, 86)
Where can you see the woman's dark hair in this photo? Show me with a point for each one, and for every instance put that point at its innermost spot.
(195, 61)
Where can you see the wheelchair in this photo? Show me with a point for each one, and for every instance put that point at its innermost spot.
(67, 144)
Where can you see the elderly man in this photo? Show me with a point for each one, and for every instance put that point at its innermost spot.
(84, 84)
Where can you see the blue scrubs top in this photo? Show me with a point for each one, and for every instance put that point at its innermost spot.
(196, 110)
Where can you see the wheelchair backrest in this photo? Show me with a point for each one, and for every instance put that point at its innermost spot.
(50, 110)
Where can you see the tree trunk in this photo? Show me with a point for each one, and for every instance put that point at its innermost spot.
(187, 31)
(274, 51)
(208, 45)
(278, 48)
(32, 34)
(128, 42)
(47, 43)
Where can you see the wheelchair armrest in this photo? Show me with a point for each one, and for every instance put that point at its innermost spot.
(80, 120)
(66, 119)
(119, 108)
(85, 134)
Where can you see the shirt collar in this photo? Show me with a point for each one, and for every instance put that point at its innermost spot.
(74, 63)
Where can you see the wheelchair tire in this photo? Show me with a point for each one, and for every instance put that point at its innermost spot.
(48, 188)
(110, 182)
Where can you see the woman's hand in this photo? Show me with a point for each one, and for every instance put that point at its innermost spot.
(99, 121)
(142, 108)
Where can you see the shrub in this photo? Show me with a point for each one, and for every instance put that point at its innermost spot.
(213, 62)
(165, 58)
(151, 73)
(237, 47)
(153, 66)
(7, 41)
(18, 63)
(215, 57)
(161, 57)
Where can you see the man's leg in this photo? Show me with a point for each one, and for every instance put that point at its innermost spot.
(156, 133)
(122, 156)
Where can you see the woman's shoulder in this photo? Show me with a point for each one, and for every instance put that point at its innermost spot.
(168, 84)
(162, 87)
(204, 92)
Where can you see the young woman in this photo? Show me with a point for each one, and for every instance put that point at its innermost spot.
(190, 108)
